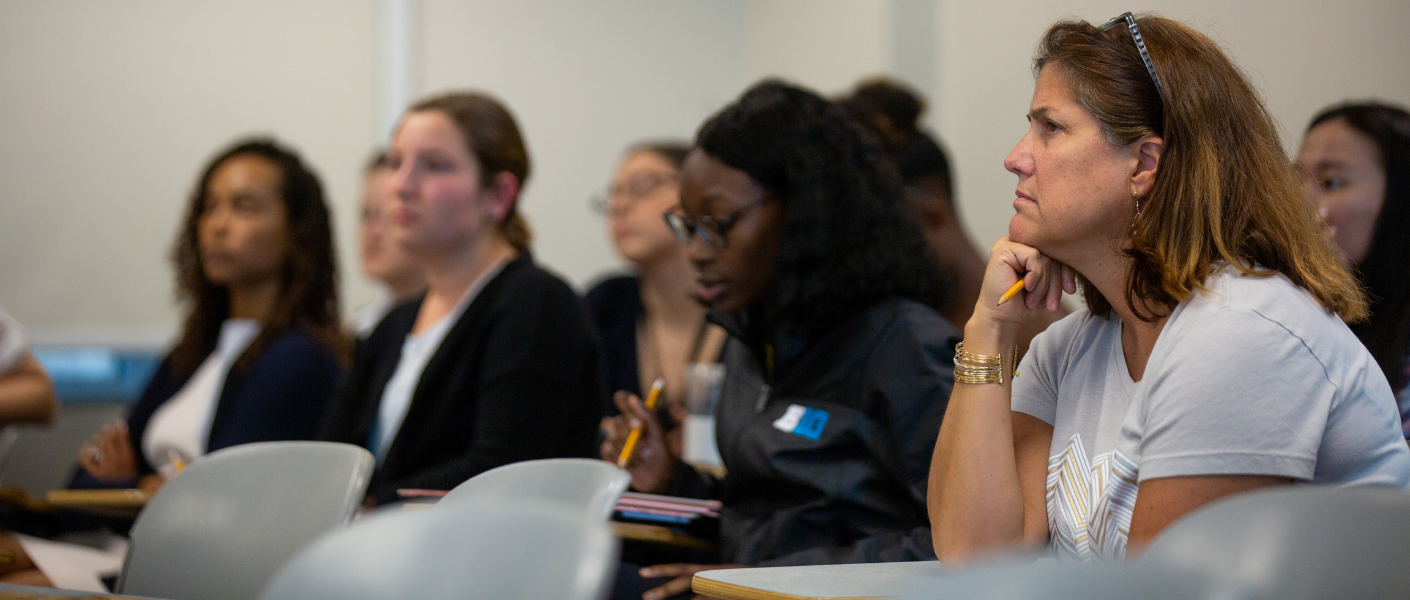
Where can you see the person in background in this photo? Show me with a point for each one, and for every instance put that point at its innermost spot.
(261, 348)
(892, 111)
(651, 324)
(1355, 161)
(1211, 358)
(26, 393)
(382, 259)
(838, 367)
(496, 362)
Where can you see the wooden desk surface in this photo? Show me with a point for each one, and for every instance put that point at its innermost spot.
(821, 582)
(656, 534)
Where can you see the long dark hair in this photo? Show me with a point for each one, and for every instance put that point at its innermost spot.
(308, 292)
(1386, 333)
(847, 239)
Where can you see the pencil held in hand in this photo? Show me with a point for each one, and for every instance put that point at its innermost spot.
(636, 431)
(1013, 291)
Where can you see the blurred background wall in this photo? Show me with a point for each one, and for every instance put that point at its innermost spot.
(109, 110)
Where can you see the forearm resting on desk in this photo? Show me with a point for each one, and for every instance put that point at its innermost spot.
(976, 500)
(27, 394)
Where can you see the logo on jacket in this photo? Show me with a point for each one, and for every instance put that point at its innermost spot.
(802, 421)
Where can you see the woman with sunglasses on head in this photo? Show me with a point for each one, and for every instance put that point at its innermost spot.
(496, 362)
(1355, 161)
(652, 326)
(1211, 358)
(837, 368)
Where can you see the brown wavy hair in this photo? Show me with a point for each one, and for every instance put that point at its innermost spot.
(493, 138)
(308, 293)
(1225, 190)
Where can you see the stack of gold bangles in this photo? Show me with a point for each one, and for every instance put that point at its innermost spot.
(979, 368)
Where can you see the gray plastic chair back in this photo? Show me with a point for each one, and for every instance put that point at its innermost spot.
(1297, 542)
(1071, 582)
(223, 527)
(487, 550)
(591, 487)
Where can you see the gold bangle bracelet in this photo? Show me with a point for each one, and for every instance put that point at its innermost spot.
(980, 368)
(969, 357)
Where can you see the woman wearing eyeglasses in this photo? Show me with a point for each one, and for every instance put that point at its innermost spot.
(651, 324)
(838, 367)
(1211, 358)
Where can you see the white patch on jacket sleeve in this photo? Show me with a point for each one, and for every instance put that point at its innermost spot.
(790, 418)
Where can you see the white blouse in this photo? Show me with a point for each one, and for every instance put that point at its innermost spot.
(181, 427)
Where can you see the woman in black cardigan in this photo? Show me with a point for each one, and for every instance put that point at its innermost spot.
(496, 363)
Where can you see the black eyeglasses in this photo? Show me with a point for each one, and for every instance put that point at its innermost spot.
(710, 229)
(1130, 22)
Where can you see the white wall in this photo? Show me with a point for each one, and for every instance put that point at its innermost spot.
(108, 111)
(1301, 54)
(585, 80)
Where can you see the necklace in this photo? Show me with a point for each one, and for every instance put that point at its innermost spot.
(656, 367)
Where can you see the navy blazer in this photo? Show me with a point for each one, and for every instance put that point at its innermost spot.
(282, 395)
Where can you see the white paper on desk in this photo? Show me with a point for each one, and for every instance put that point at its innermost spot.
(75, 567)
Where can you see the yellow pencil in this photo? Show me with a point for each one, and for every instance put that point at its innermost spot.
(636, 431)
(176, 461)
(1013, 291)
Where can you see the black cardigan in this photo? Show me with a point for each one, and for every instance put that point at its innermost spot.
(517, 377)
(283, 395)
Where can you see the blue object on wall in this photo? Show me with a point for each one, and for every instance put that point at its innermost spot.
(97, 373)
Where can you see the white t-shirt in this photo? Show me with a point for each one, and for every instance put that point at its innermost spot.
(182, 425)
(13, 345)
(416, 351)
(1249, 377)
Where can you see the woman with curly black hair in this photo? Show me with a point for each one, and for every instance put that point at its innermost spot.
(838, 366)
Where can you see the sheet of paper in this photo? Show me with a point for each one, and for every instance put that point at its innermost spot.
(75, 567)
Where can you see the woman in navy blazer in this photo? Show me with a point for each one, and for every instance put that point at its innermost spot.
(261, 352)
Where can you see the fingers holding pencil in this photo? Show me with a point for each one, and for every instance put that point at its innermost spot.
(635, 435)
(650, 462)
(1041, 280)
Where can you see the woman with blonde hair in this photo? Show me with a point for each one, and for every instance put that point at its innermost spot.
(1211, 359)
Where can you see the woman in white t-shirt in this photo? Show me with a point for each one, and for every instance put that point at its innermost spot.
(1210, 359)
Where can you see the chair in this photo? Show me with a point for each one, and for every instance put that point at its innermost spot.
(1297, 542)
(491, 550)
(224, 526)
(588, 486)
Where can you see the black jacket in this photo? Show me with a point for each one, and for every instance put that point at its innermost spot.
(517, 377)
(830, 465)
(283, 395)
(616, 309)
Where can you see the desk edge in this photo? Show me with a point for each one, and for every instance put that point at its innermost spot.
(726, 591)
